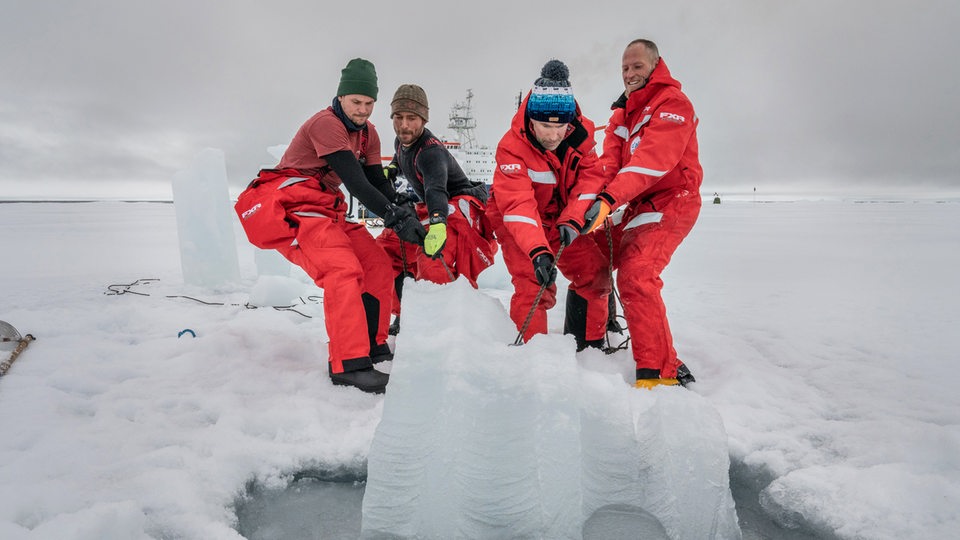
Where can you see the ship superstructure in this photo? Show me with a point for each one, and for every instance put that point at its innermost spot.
(477, 161)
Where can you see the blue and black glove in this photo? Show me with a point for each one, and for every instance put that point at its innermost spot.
(544, 269)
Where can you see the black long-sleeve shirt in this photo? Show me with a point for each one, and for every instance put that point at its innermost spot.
(366, 183)
(434, 174)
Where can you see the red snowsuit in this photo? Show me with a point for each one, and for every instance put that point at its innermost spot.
(650, 157)
(533, 192)
(341, 256)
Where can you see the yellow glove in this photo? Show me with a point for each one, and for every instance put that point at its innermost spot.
(436, 238)
(595, 216)
(650, 383)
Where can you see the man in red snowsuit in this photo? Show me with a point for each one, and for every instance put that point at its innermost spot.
(458, 241)
(650, 158)
(337, 145)
(547, 176)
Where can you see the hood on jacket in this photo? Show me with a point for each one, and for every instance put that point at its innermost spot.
(518, 126)
(659, 77)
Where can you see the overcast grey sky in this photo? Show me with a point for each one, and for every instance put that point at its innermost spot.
(112, 97)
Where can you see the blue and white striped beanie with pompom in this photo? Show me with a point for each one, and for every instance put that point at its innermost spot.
(551, 99)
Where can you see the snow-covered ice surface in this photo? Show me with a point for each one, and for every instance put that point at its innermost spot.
(822, 333)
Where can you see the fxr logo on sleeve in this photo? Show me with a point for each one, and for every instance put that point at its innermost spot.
(251, 211)
(672, 117)
(508, 168)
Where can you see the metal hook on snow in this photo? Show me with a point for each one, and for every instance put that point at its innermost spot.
(10, 334)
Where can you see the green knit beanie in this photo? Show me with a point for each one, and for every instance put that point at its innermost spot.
(359, 77)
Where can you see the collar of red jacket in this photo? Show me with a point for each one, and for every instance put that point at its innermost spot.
(659, 78)
(518, 126)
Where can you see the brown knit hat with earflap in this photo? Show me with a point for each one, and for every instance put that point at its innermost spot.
(410, 98)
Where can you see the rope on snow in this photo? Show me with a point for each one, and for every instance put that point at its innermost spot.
(127, 288)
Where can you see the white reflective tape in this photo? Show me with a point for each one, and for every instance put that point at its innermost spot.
(616, 217)
(465, 210)
(587, 197)
(542, 177)
(621, 132)
(519, 219)
(310, 214)
(644, 218)
(642, 170)
(291, 181)
(637, 127)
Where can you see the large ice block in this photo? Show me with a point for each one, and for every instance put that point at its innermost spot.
(205, 219)
(481, 439)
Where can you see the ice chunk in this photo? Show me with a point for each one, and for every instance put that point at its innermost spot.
(664, 451)
(480, 439)
(276, 291)
(270, 263)
(205, 219)
(618, 521)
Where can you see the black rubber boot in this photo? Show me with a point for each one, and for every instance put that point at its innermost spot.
(380, 353)
(367, 379)
(684, 377)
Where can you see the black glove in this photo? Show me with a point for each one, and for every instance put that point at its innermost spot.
(403, 199)
(390, 172)
(544, 269)
(403, 220)
(567, 234)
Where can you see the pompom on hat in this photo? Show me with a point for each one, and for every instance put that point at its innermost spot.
(410, 98)
(359, 77)
(551, 99)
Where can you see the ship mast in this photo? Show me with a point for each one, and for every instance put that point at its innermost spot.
(463, 123)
